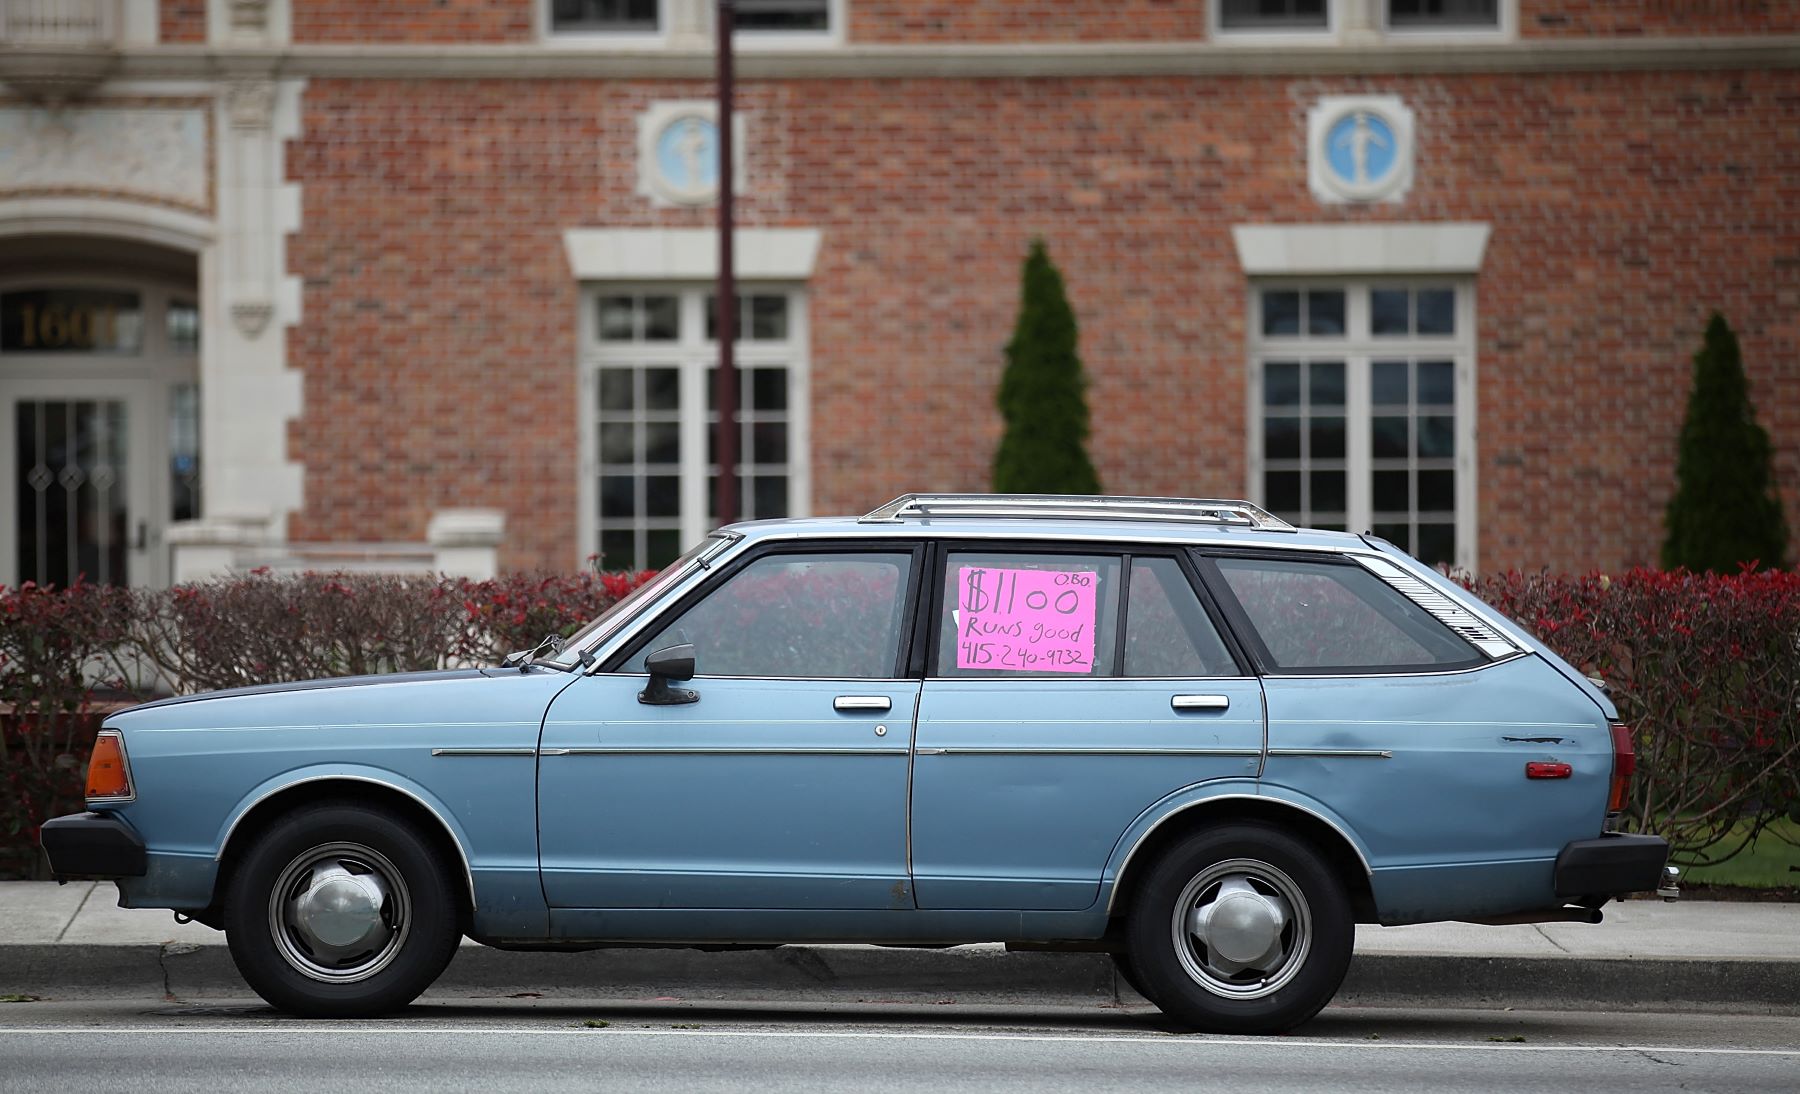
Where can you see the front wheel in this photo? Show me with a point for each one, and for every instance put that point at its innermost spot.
(1241, 928)
(340, 911)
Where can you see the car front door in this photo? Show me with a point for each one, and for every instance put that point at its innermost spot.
(781, 784)
(1052, 719)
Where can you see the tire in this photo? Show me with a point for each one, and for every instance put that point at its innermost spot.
(380, 925)
(1267, 891)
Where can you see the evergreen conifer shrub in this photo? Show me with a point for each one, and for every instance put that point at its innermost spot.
(1725, 512)
(1043, 393)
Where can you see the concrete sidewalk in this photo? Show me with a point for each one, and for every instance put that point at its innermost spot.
(72, 940)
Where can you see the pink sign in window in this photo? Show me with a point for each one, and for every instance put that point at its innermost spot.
(1025, 620)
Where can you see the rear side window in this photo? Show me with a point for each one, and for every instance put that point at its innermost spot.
(1167, 632)
(1322, 616)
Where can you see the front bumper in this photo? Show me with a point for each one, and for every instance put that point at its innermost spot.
(1612, 865)
(85, 845)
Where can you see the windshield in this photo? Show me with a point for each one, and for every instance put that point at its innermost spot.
(626, 606)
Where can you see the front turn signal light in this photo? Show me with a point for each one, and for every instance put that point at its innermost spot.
(109, 776)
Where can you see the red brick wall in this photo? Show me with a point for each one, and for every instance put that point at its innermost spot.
(1651, 17)
(181, 21)
(463, 21)
(1026, 20)
(438, 341)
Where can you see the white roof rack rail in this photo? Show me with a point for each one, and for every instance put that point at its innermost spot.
(1233, 514)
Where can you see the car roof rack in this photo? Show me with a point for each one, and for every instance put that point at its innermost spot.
(1226, 513)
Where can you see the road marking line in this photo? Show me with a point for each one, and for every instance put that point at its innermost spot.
(1167, 1039)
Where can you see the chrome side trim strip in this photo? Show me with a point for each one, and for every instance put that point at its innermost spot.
(1366, 753)
(461, 852)
(484, 751)
(980, 751)
(1416, 674)
(1451, 614)
(672, 751)
(1112, 897)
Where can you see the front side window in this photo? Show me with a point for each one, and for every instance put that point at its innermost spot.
(651, 356)
(1029, 614)
(834, 616)
(1328, 617)
(1361, 395)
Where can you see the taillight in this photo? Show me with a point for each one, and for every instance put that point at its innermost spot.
(1624, 763)
(109, 776)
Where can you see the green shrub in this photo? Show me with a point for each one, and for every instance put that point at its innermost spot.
(1043, 393)
(1725, 513)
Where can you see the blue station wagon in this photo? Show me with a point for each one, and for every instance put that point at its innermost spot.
(1178, 731)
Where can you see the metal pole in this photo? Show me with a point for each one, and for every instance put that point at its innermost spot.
(727, 499)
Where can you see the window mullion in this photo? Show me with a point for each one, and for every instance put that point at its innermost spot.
(1357, 442)
(694, 378)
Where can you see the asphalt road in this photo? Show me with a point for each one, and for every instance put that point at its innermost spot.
(527, 1045)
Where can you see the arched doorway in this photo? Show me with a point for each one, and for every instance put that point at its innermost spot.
(99, 408)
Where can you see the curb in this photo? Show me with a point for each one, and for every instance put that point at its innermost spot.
(964, 974)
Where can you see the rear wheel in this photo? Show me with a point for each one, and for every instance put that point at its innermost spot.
(1242, 928)
(340, 911)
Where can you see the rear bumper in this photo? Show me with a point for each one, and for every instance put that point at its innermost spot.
(84, 845)
(1611, 865)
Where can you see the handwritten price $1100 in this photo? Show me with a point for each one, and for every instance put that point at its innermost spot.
(1026, 619)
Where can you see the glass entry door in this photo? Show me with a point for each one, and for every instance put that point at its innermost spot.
(74, 462)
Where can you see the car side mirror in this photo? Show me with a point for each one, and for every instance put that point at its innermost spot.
(665, 666)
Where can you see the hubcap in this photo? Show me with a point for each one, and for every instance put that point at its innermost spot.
(339, 912)
(1242, 928)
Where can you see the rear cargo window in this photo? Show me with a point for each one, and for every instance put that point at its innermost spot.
(1322, 616)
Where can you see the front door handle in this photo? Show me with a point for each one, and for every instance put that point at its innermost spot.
(1200, 702)
(848, 703)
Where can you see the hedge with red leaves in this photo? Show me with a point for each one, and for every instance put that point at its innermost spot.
(1706, 669)
(68, 655)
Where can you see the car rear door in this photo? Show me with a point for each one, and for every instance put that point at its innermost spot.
(1070, 689)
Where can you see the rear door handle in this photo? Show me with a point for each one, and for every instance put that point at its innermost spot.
(849, 703)
(1200, 702)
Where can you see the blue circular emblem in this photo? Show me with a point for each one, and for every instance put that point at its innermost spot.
(687, 155)
(1360, 148)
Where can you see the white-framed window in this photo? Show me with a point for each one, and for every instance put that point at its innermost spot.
(1253, 22)
(1272, 22)
(784, 16)
(1362, 409)
(1443, 14)
(606, 17)
(758, 22)
(1449, 19)
(1274, 15)
(649, 354)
